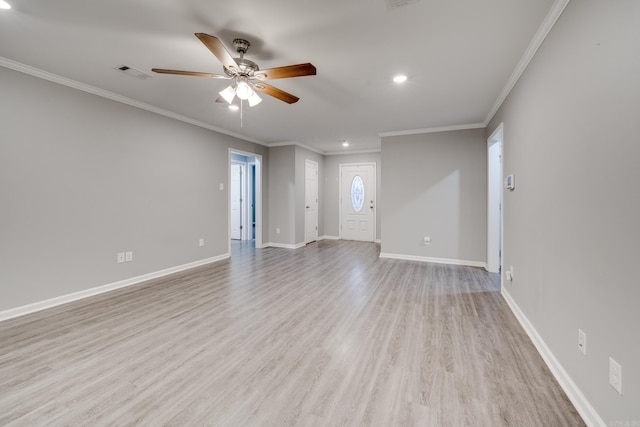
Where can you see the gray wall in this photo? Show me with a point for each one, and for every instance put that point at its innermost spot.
(303, 154)
(435, 184)
(83, 177)
(571, 227)
(286, 193)
(331, 191)
(282, 195)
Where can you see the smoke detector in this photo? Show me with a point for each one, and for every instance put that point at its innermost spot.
(395, 4)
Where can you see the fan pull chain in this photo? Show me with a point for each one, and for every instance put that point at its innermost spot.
(241, 112)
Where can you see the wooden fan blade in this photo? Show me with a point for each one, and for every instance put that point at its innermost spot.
(276, 93)
(217, 48)
(298, 70)
(189, 73)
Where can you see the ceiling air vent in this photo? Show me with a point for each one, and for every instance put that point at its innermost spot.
(133, 72)
(395, 4)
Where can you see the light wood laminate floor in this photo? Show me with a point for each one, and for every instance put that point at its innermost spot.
(326, 335)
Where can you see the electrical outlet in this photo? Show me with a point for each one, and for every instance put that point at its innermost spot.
(427, 240)
(221, 187)
(615, 375)
(201, 242)
(582, 341)
(509, 274)
(128, 256)
(120, 257)
(278, 230)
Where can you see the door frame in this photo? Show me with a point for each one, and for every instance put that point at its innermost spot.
(375, 194)
(258, 194)
(493, 265)
(243, 197)
(307, 161)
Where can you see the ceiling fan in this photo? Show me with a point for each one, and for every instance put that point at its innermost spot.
(246, 75)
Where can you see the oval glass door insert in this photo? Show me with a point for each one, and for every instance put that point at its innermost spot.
(357, 193)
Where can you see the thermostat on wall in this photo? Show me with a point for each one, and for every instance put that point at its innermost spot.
(510, 182)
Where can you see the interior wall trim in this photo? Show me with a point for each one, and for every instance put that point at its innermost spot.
(45, 75)
(575, 395)
(285, 245)
(544, 29)
(63, 299)
(328, 238)
(298, 144)
(433, 130)
(434, 260)
(347, 152)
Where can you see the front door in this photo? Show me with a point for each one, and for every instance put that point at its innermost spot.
(357, 201)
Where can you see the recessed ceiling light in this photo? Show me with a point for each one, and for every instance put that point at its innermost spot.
(401, 78)
(4, 5)
(234, 107)
(345, 143)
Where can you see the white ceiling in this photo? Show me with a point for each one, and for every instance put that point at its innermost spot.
(458, 54)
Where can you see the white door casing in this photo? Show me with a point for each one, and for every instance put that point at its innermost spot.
(358, 201)
(311, 201)
(256, 160)
(494, 201)
(235, 188)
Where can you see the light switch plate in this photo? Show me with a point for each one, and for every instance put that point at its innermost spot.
(615, 375)
(582, 341)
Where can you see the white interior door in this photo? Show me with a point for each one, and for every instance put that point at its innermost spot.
(311, 201)
(358, 201)
(494, 202)
(235, 189)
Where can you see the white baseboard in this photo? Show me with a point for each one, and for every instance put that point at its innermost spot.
(63, 299)
(338, 238)
(285, 245)
(328, 238)
(584, 408)
(435, 260)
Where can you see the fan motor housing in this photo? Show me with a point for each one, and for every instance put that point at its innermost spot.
(247, 68)
(241, 45)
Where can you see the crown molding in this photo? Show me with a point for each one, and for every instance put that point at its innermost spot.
(346, 153)
(433, 130)
(45, 75)
(544, 29)
(298, 144)
(323, 153)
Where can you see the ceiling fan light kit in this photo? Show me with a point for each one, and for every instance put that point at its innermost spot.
(228, 94)
(243, 91)
(246, 75)
(254, 99)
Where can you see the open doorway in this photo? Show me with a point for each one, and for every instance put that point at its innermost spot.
(494, 201)
(245, 198)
